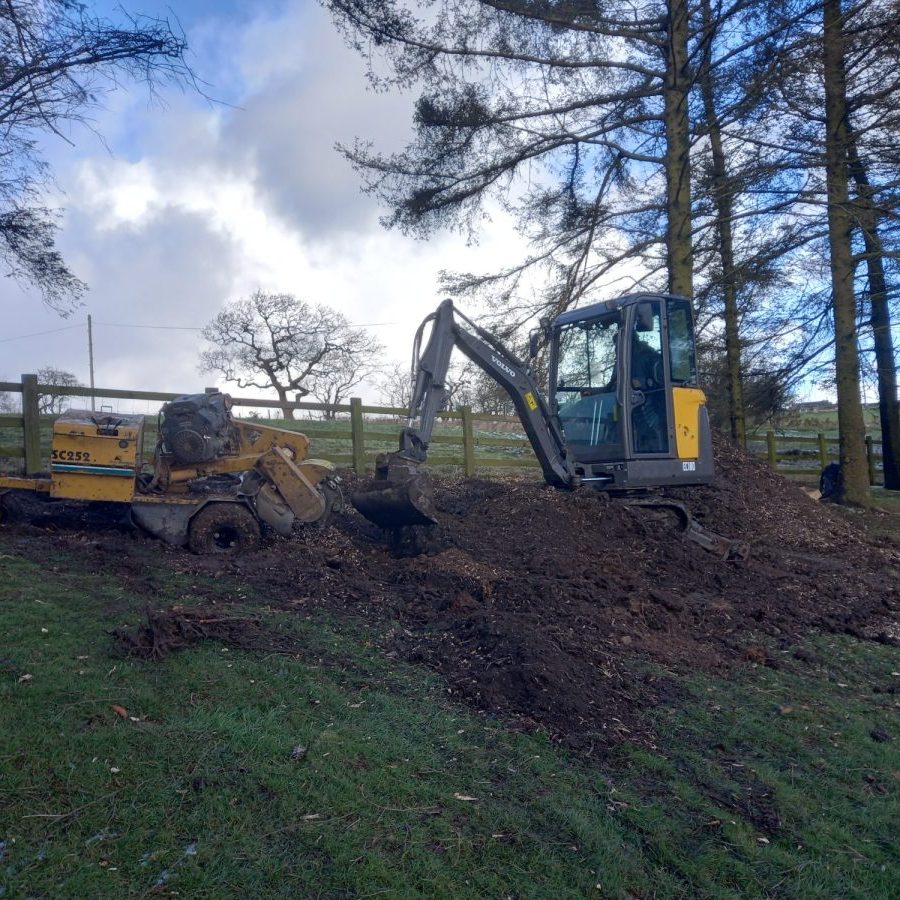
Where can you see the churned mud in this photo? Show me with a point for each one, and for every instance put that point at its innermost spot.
(555, 609)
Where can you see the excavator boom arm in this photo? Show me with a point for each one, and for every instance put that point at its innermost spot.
(493, 358)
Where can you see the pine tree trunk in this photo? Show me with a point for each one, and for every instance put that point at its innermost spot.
(854, 469)
(880, 318)
(724, 200)
(677, 164)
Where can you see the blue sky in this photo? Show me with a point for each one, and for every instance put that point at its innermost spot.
(186, 204)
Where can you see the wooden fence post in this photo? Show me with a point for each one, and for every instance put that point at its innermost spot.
(468, 442)
(870, 458)
(357, 436)
(772, 449)
(32, 424)
(823, 450)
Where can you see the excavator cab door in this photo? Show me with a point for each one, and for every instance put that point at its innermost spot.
(648, 400)
(663, 402)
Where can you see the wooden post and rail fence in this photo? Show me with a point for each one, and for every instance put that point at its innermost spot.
(475, 436)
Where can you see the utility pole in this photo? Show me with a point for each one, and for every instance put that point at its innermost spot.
(91, 361)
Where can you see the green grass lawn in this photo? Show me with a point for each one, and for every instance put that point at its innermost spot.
(825, 420)
(336, 771)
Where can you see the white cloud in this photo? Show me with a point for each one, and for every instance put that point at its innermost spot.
(117, 193)
(195, 205)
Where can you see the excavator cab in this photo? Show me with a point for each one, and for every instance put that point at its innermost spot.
(623, 380)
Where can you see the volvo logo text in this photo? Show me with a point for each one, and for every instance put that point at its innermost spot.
(503, 366)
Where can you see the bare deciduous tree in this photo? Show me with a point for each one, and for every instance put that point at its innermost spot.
(9, 403)
(54, 404)
(395, 386)
(277, 341)
(333, 386)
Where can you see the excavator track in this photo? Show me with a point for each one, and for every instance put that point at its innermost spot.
(691, 529)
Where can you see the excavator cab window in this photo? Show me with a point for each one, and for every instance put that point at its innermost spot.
(585, 389)
(649, 418)
(682, 356)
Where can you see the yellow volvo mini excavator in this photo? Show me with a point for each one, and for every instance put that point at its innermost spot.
(625, 414)
(214, 480)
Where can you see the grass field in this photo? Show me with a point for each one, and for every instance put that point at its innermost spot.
(825, 420)
(336, 771)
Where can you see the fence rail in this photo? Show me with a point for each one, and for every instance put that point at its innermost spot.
(346, 434)
(351, 441)
(805, 455)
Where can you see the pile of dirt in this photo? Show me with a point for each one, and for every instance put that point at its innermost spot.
(549, 605)
(569, 612)
(168, 630)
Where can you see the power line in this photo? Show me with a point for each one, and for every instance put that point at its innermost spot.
(158, 327)
(21, 337)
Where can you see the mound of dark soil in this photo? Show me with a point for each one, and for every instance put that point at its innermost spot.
(548, 604)
(167, 630)
(574, 613)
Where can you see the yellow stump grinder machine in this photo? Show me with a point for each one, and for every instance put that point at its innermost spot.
(214, 479)
(625, 415)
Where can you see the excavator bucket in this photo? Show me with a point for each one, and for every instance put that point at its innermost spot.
(400, 496)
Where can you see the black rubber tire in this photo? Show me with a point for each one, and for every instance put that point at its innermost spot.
(224, 529)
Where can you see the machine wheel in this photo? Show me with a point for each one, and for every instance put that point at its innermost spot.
(224, 529)
(334, 501)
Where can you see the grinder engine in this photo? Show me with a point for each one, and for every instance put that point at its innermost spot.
(202, 452)
(197, 428)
